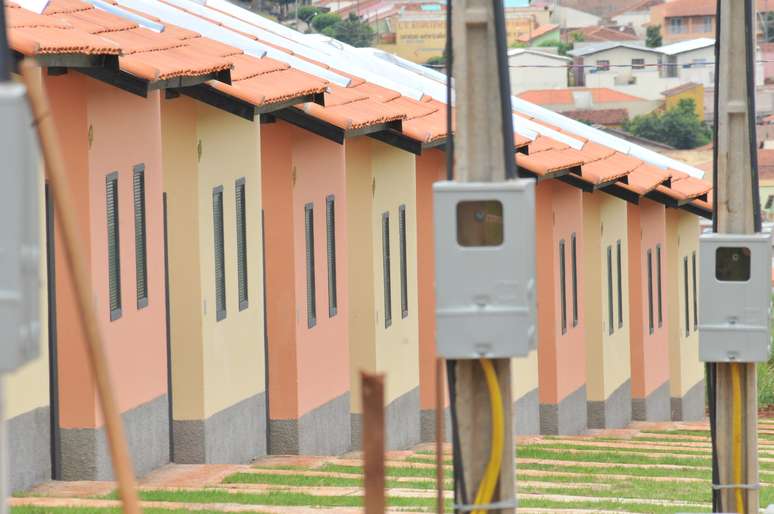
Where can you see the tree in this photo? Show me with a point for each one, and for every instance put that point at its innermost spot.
(352, 31)
(653, 36)
(307, 12)
(325, 20)
(561, 47)
(679, 127)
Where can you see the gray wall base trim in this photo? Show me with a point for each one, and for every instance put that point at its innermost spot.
(29, 448)
(655, 407)
(526, 414)
(427, 425)
(321, 431)
(615, 412)
(235, 435)
(692, 406)
(402, 428)
(85, 454)
(568, 417)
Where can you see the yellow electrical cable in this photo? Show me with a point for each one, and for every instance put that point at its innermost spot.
(489, 482)
(736, 433)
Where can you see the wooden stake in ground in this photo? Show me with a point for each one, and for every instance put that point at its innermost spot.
(734, 214)
(372, 387)
(56, 173)
(479, 157)
(439, 435)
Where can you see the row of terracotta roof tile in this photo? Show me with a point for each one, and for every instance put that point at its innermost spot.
(75, 27)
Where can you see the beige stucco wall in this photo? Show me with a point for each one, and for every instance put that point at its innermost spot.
(27, 389)
(215, 364)
(682, 240)
(608, 365)
(524, 375)
(380, 178)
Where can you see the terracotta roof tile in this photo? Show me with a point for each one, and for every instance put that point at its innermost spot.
(691, 187)
(543, 143)
(599, 95)
(550, 161)
(610, 168)
(356, 114)
(645, 178)
(34, 34)
(594, 151)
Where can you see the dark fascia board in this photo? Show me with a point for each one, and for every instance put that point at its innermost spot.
(574, 180)
(395, 125)
(211, 96)
(441, 142)
(660, 197)
(119, 79)
(398, 140)
(548, 176)
(622, 193)
(70, 60)
(317, 126)
(693, 209)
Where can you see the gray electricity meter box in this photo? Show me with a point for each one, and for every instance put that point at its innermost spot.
(485, 268)
(735, 297)
(20, 284)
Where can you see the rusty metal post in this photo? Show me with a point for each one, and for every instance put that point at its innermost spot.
(372, 387)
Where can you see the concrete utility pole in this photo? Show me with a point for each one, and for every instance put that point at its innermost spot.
(479, 157)
(736, 196)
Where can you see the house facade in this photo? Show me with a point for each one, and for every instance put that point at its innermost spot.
(535, 69)
(212, 178)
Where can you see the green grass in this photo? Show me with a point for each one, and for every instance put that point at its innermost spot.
(323, 481)
(278, 498)
(94, 510)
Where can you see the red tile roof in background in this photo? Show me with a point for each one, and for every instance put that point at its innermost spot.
(704, 7)
(599, 95)
(600, 34)
(537, 32)
(599, 116)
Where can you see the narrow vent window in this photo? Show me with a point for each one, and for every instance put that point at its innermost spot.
(574, 257)
(695, 299)
(140, 237)
(403, 262)
(114, 250)
(562, 287)
(658, 286)
(610, 290)
(241, 233)
(685, 296)
(386, 269)
(220, 258)
(650, 292)
(330, 229)
(311, 288)
(620, 284)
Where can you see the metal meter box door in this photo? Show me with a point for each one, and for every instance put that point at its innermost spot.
(485, 268)
(735, 297)
(19, 231)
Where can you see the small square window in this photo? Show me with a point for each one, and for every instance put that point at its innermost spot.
(480, 223)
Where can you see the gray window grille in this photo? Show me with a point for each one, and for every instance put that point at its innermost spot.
(610, 328)
(562, 288)
(574, 251)
(311, 289)
(241, 233)
(650, 292)
(220, 257)
(330, 226)
(114, 246)
(386, 269)
(620, 284)
(403, 262)
(140, 235)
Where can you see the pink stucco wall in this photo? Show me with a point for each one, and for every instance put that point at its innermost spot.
(431, 167)
(649, 352)
(561, 357)
(309, 367)
(107, 130)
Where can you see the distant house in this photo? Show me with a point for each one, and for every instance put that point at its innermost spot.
(604, 117)
(581, 100)
(590, 35)
(566, 16)
(615, 64)
(636, 16)
(535, 69)
(690, 60)
(689, 90)
(541, 34)
(690, 19)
